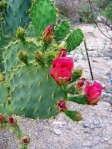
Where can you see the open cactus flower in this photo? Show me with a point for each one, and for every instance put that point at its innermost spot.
(62, 70)
(40, 77)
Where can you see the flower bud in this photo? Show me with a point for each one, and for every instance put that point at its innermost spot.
(38, 55)
(11, 121)
(25, 140)
(93, 92)
(62, 106)
(2, 78)
(61, 53)
(23, 56)
(48, 34)
(79, 85)
(20, 33)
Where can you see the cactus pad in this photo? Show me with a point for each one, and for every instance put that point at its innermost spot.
(17, 14)
(42, 14)
(11, 54)
(34, 92)
(62, 31)
(74, 39)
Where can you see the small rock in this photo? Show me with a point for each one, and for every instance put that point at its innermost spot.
(87, 124)
(87, 130)
(106, 104)
(59, 123)
(57, 131)
(96, 122)
(69, 127)
(106, 139)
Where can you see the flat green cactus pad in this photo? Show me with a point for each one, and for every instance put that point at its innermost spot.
(16, 14)
(43, 13)
(34, 93)
(10, 55)
(62, 30)
(74, 39)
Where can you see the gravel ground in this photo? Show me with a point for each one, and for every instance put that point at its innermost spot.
(93, 132)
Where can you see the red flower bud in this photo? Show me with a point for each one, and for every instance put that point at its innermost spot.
(61, 53)
(62, 106)
(11, 121)
(79, 85)
(25, 140)
(93, 92)
(48, 34)
(1, 118)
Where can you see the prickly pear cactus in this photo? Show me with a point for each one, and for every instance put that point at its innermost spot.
(35, 73)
